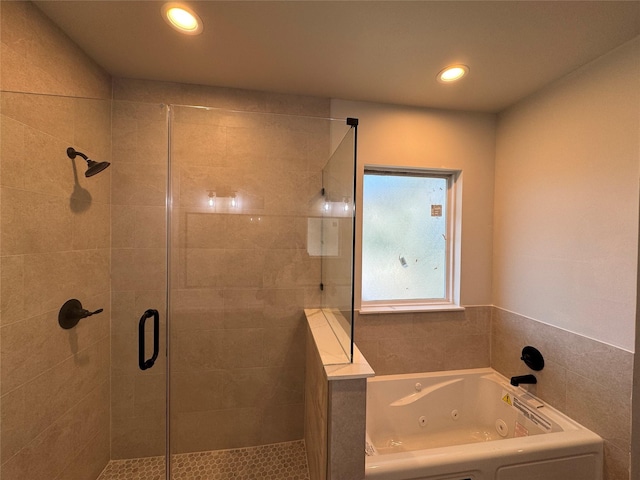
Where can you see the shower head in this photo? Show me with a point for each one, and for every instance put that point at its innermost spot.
(92, 167)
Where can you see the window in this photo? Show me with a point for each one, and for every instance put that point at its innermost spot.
(408, 239)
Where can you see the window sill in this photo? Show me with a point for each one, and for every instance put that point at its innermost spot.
(445, 307)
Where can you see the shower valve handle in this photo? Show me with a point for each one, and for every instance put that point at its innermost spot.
(72, 312)
(87, 313)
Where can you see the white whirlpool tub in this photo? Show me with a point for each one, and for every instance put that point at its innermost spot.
(471, 424)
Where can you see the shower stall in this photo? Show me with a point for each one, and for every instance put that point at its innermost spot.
(203, 243)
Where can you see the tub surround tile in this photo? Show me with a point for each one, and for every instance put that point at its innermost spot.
(616, 462)
(409, 355)
(470, 351)
(552, 385)
(593, 405)
(587, 380)
(422, 342)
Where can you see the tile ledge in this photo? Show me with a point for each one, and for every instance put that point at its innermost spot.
(410, 308)
(334, 360)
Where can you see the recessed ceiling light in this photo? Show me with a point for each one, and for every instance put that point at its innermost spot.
(452, 73)
(182, 18)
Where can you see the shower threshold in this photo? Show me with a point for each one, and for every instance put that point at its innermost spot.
(278, 461)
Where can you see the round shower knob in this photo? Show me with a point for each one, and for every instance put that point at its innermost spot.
(533, 358)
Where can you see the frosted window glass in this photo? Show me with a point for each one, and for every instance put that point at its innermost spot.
(404, 244)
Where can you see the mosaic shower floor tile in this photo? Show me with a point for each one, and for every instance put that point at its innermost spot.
(280, 461)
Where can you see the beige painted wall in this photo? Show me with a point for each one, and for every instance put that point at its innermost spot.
(55, 245)
(417, 137)
(566, 202)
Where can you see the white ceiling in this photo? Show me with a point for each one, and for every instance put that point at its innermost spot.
(380, 51)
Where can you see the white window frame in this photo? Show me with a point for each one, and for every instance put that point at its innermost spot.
(453, 247)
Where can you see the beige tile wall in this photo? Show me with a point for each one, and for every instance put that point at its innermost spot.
(425, 342)
(589, 381)
(316, 400)
(347, 425)
(55, 242)
(54, 245)
(37, 57)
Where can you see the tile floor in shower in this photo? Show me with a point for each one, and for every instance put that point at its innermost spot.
(280, 461)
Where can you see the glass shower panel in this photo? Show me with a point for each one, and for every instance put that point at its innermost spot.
(337, 234)
(244, 189)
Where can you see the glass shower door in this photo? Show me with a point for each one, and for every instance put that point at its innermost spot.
(139, 289)
(75, 404)
(244, 187)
